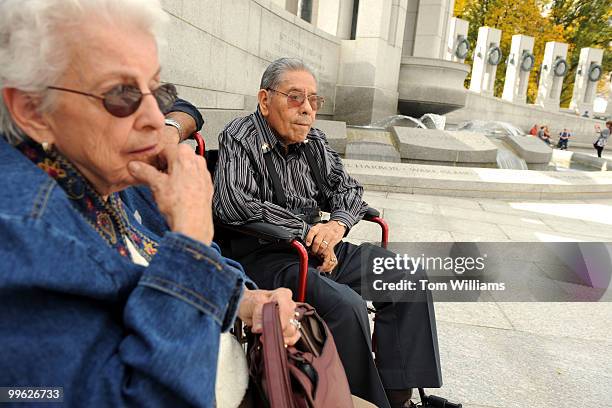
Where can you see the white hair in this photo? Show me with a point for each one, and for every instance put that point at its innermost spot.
(34, 42)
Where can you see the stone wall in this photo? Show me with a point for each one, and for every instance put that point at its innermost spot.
(368, 77)
(525, 116)
(217, 50)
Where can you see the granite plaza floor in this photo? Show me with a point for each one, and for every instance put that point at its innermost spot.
(503, 355)
(606, 154)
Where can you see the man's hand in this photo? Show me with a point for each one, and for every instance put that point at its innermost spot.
(251, 311)
(188, 125)
(324, 236)
(329, 261)
(183, 192)
(170, 136)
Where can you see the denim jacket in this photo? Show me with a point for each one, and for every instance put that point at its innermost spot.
(75, 314)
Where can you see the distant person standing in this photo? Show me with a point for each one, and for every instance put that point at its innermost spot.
(602, 139)
(585, 114)
(563, 139)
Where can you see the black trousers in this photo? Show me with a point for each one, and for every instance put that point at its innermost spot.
(407, 352)
(599, 149)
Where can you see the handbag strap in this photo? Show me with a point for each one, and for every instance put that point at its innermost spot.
(276, 369)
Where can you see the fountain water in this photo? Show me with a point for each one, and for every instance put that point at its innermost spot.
(507, 159)
(491, 128)
(496, 131)
(427, 121)
(514, 149)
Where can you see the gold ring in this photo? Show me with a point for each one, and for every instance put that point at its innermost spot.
(325, 242)
(333, 260)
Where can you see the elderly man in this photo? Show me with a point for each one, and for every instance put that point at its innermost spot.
(274, 167)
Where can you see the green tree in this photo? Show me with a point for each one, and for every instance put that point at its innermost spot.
(586, 23)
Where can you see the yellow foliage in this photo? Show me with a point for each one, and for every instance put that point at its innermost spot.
(603, 86)
(459, 7)
(525, 18)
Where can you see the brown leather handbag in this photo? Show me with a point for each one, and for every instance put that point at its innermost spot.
(306, 375)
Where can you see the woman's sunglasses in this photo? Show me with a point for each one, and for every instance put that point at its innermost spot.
(123, 100)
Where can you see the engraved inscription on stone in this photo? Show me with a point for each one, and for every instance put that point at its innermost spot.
(403, 171)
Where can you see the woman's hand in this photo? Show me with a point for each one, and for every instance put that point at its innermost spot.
(183, 192)
(251, 311)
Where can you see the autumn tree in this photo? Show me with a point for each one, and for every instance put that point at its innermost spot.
(526, 17)
(474, 12)
(585, 23)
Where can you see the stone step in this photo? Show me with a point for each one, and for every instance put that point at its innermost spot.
(480, 182)
(374, 145)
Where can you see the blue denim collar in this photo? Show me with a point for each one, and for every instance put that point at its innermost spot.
(108, 218)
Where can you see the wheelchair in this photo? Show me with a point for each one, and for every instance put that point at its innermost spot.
(275, 234)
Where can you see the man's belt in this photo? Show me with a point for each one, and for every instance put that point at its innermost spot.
(308, 215)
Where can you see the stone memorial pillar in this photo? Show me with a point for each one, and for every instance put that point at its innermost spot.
(428, 83)
(457, 46)
(367, 88)
(520, 63)
(588, 73)
(430, 28)
(487, 56)
(554, 69)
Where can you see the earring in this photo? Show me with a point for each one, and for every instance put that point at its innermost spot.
(46, 146)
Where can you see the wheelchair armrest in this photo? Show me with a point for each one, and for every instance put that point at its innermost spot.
(261, 230)
(371, 213)
(201, 144)
(274, 233)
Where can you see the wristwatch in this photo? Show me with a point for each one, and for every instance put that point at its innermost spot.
(175, 124)
(342, 224)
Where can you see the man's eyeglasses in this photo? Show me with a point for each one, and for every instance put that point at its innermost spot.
(296, 98)
(123, 100)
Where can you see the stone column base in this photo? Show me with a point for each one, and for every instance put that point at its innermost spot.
(362, 106)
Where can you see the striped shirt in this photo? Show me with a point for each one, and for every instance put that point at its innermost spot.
(244, 189)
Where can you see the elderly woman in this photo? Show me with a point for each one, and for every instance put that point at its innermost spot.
(111, 292)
